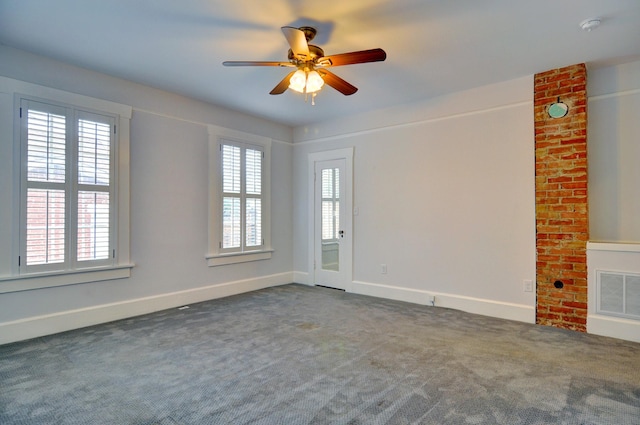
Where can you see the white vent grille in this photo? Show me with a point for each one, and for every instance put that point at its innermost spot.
(619, 294)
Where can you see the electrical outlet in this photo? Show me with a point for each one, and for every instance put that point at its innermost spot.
(527, 285)
(383, 268)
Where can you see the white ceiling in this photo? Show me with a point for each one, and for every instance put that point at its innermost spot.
(433, 46)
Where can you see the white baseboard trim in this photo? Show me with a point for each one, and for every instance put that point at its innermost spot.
(301, 277)
(502, 310)
(614, 327)
(33, 327)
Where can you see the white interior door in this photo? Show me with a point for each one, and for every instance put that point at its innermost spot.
(332, 225)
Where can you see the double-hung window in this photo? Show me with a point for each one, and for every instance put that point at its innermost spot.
(239, 204)
(67, 191)
(64, 185)
(241, 197)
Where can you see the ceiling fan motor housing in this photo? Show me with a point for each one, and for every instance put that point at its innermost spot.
(314, 52)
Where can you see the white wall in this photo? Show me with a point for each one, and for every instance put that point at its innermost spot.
(614, 187)
(169, 203)
(614, 153)
(445, 192)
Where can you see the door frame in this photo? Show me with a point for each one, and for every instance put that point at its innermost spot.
(347, 241)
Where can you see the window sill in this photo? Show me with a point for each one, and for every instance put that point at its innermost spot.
(214, 260)
(53, 279)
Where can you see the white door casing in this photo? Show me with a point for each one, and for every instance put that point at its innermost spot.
(330, 235)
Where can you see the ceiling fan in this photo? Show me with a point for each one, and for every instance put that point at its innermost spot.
(311, 64)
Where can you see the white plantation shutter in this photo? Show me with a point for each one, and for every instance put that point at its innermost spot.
(46, 147)
(253, 211)
(231, 223)
(230, 169)
(253, 171)
(93, 226)
(242, 193)
(95, 152)
(46, 183)
(231, 185)
(327, 183)
(253, 222)
(67, 210)
(45, 242)
(330, 203)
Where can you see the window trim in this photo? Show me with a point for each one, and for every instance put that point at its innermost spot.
(242, 195)
(11, 279)
(215, 255)
(71, 186)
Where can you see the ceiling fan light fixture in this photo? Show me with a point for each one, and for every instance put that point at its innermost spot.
(306, 81)
(298, 81)
(314, 82)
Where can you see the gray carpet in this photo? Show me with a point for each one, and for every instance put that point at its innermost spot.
(302, 355)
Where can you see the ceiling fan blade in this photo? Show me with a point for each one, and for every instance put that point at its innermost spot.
(256, 63)
(282, 85)
(363, 56)
(337, 83)
(297, 41)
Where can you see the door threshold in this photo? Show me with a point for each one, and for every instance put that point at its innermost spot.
(329, 287)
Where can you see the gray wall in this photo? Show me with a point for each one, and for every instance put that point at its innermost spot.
(445, 193)
(614, 153)
(169, 191)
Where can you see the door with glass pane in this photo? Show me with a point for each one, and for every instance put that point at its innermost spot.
(329, 233)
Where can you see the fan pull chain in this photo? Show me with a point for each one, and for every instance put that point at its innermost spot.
(313, 98)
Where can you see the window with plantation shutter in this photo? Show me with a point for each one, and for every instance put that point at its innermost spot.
(239, 197)
(65, 193)
(67, 208)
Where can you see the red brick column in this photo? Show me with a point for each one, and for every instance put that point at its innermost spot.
(562, 226)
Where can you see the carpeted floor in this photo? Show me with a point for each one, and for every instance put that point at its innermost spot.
(302, 355)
